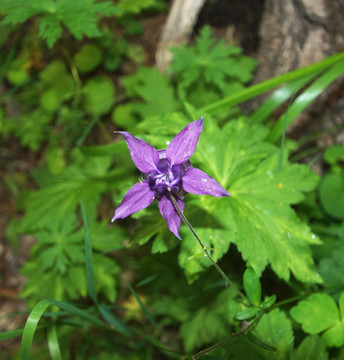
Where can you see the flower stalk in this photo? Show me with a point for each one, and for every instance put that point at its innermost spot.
(228, 282)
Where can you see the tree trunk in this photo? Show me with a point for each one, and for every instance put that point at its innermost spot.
(296, 33)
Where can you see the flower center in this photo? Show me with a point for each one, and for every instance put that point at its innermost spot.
(166, 177)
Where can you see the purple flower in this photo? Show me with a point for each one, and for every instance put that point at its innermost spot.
(165, 171)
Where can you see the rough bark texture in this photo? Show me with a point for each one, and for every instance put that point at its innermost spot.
(296, 33)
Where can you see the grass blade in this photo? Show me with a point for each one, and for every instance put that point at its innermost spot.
(142, 305)
(53, 344)
(113, 321)
(303, 100)
(91, 287)
(270, 84)
(280, 96)
(36, 314)
(11, 334)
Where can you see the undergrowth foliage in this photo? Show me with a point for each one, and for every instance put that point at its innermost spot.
(132, 289)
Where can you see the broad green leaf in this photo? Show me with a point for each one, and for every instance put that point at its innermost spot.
(331, 194)
(311, 348)
(334, 154)
(252, 286)
(59, 86)
(274, 330)
(100, 95)
(316, 314)
(319, 313)
(267, 230)
(52, 13)
(154, 89)
(210, 61)
(258, 217)
(105, 150)
(88, 58)
(205, 325)
(135, 6)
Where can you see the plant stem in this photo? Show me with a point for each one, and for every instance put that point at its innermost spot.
(217, 267)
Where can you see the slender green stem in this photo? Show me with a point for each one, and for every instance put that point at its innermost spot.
(217, 267)
(216, 346)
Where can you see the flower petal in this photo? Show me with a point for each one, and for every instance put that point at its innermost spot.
(137, 198)
(170, 214)
(184, 143)
(144, 156)
(196, 181)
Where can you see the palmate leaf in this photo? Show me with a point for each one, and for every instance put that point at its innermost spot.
(79, 16)
(319, 313)
(267, 230)
(258, 217)
(211, 61)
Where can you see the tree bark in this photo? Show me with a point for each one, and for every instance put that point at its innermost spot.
(297, 33)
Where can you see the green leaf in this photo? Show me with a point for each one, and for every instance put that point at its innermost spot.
(53, 13)
(319, 313)
(258, 217)
(247, 313)
(88, 58)
(273, 331)
(252, 286)
(100, 95)
(266, 229)
(334, 154)
(311, 348)
(205, 325)
(58, 84)
(112, 149)
(211, 62)
(36, 314)
(331, 194)
(135, 6)
(316, 314)
(154, 89)
(268, 302)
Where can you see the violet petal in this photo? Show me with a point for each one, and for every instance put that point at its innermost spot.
(183, 145)
(196, 181)
(144, 156)
(170, 214)
(137, 198)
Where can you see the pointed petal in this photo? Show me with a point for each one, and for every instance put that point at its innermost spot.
(170, 214)
(137, 198)
(184, 143)
(144, 156)
(196, 181)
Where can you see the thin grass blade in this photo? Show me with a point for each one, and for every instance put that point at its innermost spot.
(270, 84)
(53, 344)
(91, 287)
(36, 314)
(302, 101)
(141, 304)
